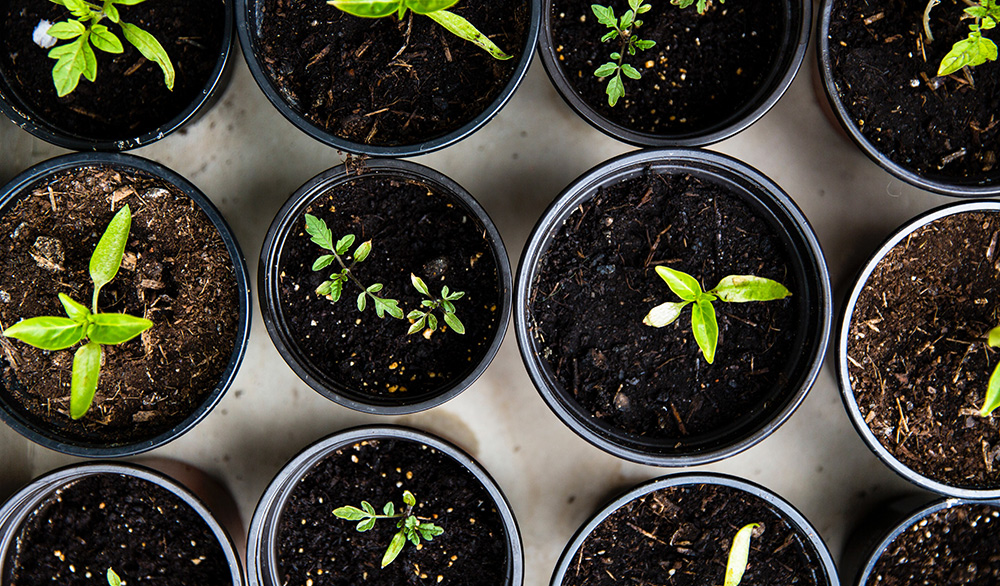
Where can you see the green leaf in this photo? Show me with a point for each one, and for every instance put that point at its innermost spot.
(454, 323)
(363, 301)
(344, 244)
(605, 15)
(395, 546)
(83, 382)
(128, 2)
(970, 52)
(682, 284)
(77, 312)
(320, 233)
(367, 8)
(47, 333)
(113, 579)
(612, 34)
(78, 8)
(739, 553)
(350, 513)
(112, 12)
(323, 262)
(630, 71)
(116, 328)
(606, 69)
(465, 30)
(643, 45)
(705, 328)
(428, 303)
(993, 337)
(363, 251)
(108, 253)
(366, 525)
(375, 288)
(428, 6)
(992, 399)
(69, 29)
(415, 314)
(413, 535)
(664, 314)
(105, 40)
(432, 321)
(615, 90)
(743, 288)
(390, 306)
(89, 59)
(332, 289)
(429, 531)
(389, 509)
(151, 49)
(626, 20)
(417, 325)
(419, 285)
(367, 506)
(454, 296)
(409, 499)
(69, 66)
(447, 306)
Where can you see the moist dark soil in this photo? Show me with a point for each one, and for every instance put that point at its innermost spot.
(387, 81)
(129, 97)
(917, 356)
(413, 229)
(138, 529)
(884, 70)
(176, 271)
(680, 536)
(597, 281)
(315, 546)
(703, 70)
(957, 546)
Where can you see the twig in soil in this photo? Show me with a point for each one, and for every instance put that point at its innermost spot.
(647, 534)
(927, 19)
(677, 417)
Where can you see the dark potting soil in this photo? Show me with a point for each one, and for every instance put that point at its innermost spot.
(917, 355)
(703, 70)
(413, 229)
(386, 81)
(885, 71)
(681, 535)
(315, 546)
(176, 272)
(138, 529)
(129, 97)
(957, 546)
(597, 281)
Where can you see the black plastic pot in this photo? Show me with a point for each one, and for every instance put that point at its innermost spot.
(814, 322)
(843, 378)
(262, 562)
(248, 19)
(24, 114)
(825, 570)
(798, 24)
(18, 507)
(55, 439)
(942, 184)
(286, 224)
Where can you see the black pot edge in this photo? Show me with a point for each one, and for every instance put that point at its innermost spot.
(735, 125)
(940, 187)
(210, 94)
(33, 432)
(273, 500)
(840, 352)
(829, 569)
(268, 295)
(243, 20)
(532, 249)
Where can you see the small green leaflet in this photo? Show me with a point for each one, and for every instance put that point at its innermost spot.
(107, 257)
(395, 546)
(320, 233)
(151, 49)
(83, 383)
(113, 579)
(992, 399)
(47, 333)
(705, 328)
(739, 554)
(462, 28)
(970, 52)
(116, 328)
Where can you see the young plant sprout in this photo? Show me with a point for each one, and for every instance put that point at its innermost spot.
(623, 29)
(975, 49)
(702, 6)
(411, 528)
(87, 33)
(739, 554)
(992, 400)
(59, 333)
(443, 303)
(731, 289)
(333, 288)
(113, 579)
(434, 9)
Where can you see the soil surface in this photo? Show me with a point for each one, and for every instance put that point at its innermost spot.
(680, 536)
(141, 531)
(917, 355)
(413, 229)
(387, 81)
(703, 70)
(597, 281)
(957, 546)
(176, 272)
(315, 546)
(884, 69)
(129, 97)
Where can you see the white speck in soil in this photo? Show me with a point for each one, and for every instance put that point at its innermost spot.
(41, 35)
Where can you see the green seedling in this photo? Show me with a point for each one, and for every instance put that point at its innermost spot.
(975, 49)
(82, 324)
(739, 555)
(623, 29)
(731, 289)
(702, 6)
(411, 528)
(444, 303)
(86, 33)
(992, 400)
(113, 579)
(436, 10)
(334, 287)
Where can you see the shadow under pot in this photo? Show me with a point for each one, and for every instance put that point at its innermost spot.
(72, 525)
(129, 103)
(679, 530)
(303, 529)
(707, 77)
(405, 303)
(386, 87)
(879, 70)
(912, 356)
(590, 277)
(181, 269)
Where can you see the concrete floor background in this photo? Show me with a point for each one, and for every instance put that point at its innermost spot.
(248, 160)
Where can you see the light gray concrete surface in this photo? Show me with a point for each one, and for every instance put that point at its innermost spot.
(248, 160)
